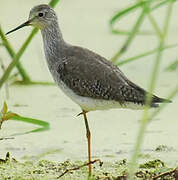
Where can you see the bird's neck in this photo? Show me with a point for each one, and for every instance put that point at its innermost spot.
(53, 43)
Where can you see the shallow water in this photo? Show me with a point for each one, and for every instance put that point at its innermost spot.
(85, 23)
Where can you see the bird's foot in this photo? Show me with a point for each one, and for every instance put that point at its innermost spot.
(81, 113)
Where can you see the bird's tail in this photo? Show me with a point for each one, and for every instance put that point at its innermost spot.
(156, 100)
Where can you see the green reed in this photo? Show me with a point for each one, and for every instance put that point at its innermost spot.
(146, 116)
(6, 115)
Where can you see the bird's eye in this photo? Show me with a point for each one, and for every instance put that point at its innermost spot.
(40, 14)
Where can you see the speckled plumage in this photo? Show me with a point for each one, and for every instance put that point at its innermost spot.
(85, 75)
(90, 75)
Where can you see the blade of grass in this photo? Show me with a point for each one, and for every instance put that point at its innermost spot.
(17, 57)
(130, 9)
(6, 115)
(126, 33)
(155, 25)
(44, 125)
(161, 45)
(173, 66)
(6, 83)
(122, 13)
(145, 117)
(7, 45)
(125, 12)
(158, 5)
(162, 106)
(35, 83)
(133, 32)
(147, 53)
(22, 49)
(53, 3)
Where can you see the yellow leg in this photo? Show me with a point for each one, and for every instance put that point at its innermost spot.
(88, 134)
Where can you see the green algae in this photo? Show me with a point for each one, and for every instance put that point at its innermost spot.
(164, 148)
(157, 163)
(12, 169)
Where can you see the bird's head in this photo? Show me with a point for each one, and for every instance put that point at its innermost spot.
(40, 16)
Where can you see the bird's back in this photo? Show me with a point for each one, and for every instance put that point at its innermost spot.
(89, 75)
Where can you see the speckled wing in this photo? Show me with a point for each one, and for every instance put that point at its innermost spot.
(90, 75)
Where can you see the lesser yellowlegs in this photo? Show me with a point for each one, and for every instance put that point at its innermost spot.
(88, 79)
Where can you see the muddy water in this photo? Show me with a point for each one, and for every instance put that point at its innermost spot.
(85, 23)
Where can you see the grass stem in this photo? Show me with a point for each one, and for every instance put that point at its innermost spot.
(147, 53)
(7, 45)
(133, 33)
(155, 25)
(145, 117)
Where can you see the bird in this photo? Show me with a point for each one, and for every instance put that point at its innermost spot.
(90, 80)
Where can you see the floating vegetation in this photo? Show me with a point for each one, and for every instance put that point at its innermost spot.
(12, 169)
(164, 148)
